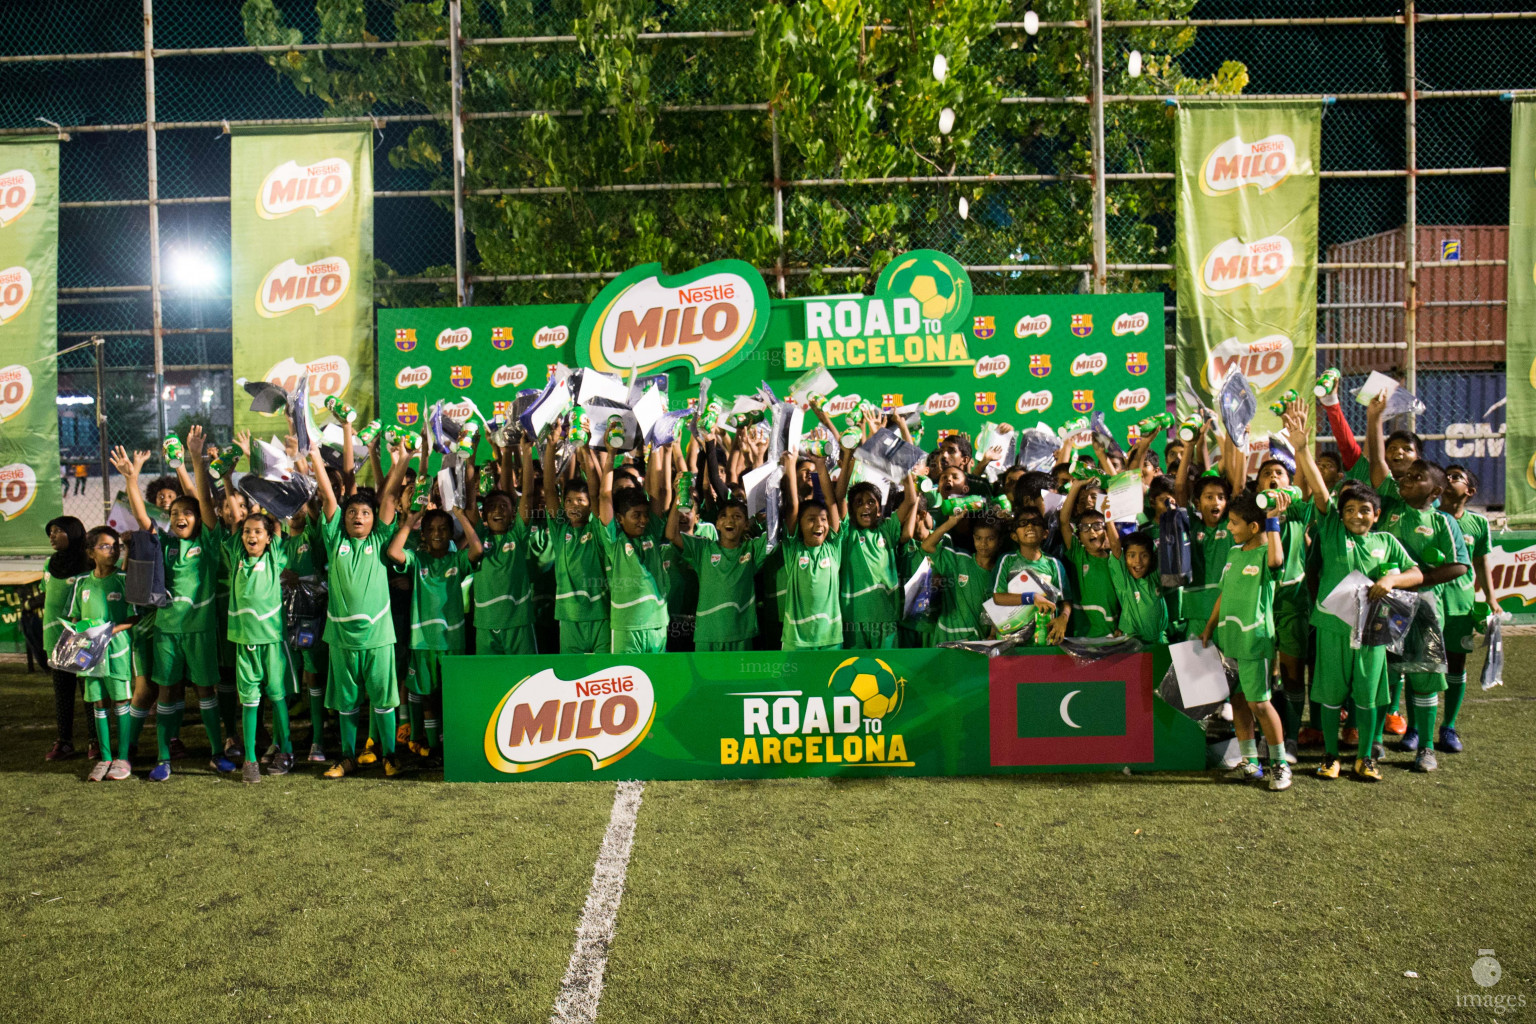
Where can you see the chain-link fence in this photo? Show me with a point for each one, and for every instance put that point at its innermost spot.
(805, 138)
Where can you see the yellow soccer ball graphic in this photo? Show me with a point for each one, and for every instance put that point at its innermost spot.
(930, 283)
(871, 680)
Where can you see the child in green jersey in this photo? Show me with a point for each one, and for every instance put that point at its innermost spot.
(256, 565)
(1143, 612)
(101, 596)
(66, 536)
(305, 553)
(185, 633)
(963, 582)
(358, 626)
(1209, 542)
(1463, 613)
(1345, 543)
(1029, 534)
(813, 562)
(1091, 545)
(638, 559)
(1243, 623)
(568, 544)
(437, 613)
(870, 587)
(1436, 544)
(503, 588)
(726, 568)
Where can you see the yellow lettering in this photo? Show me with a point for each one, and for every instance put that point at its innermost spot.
(893, 351)
(729, 750)
(874, 748)
(852, 748)
(813, 353)
(832, 757)
(957, 350)
(794, 355)
(834, 352)
(898, 748)
(914, 346)
(749, 751)
(936, 351)
(770, 750)
(855, 353)
(813, 750)
(792, 749)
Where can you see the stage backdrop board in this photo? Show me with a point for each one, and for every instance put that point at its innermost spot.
(1015, 359)
(767, 714)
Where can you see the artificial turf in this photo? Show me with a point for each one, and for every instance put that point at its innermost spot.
(1050, 897)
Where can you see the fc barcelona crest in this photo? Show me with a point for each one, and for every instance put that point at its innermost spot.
(501, 410)
(891, 402)
(1136, 363)
(407, 413)
(983, 327)
(501, 337)
(1082, 324)
(986, 402)
(405, 338)
(461, 376)
(1040, 366)
(1082, 401)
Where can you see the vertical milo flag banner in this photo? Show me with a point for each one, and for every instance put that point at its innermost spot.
(1520, 362)
(1247, 247)
(302, 269)
(29, 322)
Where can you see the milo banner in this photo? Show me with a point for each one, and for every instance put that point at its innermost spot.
(29, 323)
(301, 275)
(923, 338)
(1520, 362)
(767, 714)
(1247, 247)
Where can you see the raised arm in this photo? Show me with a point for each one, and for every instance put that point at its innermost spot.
(936, 535)
(200, 484)
(792, 490)
(1375, 444)
(525, 496)
(348, 459)
(1234, 464)
(399, 459)
(472, 546)
(834, 508)
(1064, 515)
(1295, 421)
(1272, 530)
(328, 502)
(396, 550)
(130, 468)
(605, 488)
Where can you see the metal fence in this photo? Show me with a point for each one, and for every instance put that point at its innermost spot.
(805, 138)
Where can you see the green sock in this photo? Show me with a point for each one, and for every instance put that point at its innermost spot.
(249, 713)
(1249, 749)
(136, 719)
(1426, 706)
(1394, 693)
(1369, 722)
(124, 731)
(208, 710)
(317, 716)
(1330, 717)
(103, 734)
(1455, 693)
(433, 728)
(1316, 710)
(348, 722)
(229, 707)
(178, 715)
(384, 721)
(165, 722)
(415, 705)
(280, 732)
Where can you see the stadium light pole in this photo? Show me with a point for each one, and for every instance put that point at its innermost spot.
(456, 115)
(157, 321)
(1096, 73)
(1411, 211)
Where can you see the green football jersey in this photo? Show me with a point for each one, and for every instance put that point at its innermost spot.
(639, 572)
(193, 568)
(926, 626)
(56, 594)
(575, 553)
(1461, 596)
(1292, 592)
(1095, 604)
(811, 604)
(256, 596)
(683, 587)
(963, 588)
(503, 588)
(1045, 568)
(1429, 535)
(1246, 629)
(869, 587)
(301, 553)
(1208, 550)
(358, 616)
(1143, 612)
(725, 610)
(105, 599)
(437, 600)
(1341, 553)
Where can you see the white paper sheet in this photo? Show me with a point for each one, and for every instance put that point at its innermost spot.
(596, 384)
(1341, 600)
(1377, 383)
(756, 483)
(1199, 672)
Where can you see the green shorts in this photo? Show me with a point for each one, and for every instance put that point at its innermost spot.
(1292, 621)
(790, 645)
(312, 659)
(1253, 679)
(143, 640)
(705, 646)
(1343, 673)
(355, 674)
(594, 636)
(869, 636)
(512, 640)
(189, 657)
(1425, 682)
(105, 688)
(639, 641)
(1195, 605)
(261, 670)
(1461, 634)
(424, 675)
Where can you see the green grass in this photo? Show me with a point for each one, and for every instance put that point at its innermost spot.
(1052, 897)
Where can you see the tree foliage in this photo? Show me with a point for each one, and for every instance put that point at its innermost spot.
(852, 94)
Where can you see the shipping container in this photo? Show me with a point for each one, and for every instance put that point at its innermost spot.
(1461, 313)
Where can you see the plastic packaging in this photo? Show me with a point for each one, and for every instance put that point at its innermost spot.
(1037, 450)
(1236, 405)
(1175, 562)
(1493, 649)
(1089, 649)
(1385, 622)
(304, 605)
(82, 648)
(1101, 433)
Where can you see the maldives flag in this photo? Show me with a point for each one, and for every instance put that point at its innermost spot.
(1050, 710)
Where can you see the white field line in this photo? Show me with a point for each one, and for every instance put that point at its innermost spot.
(582, 987)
